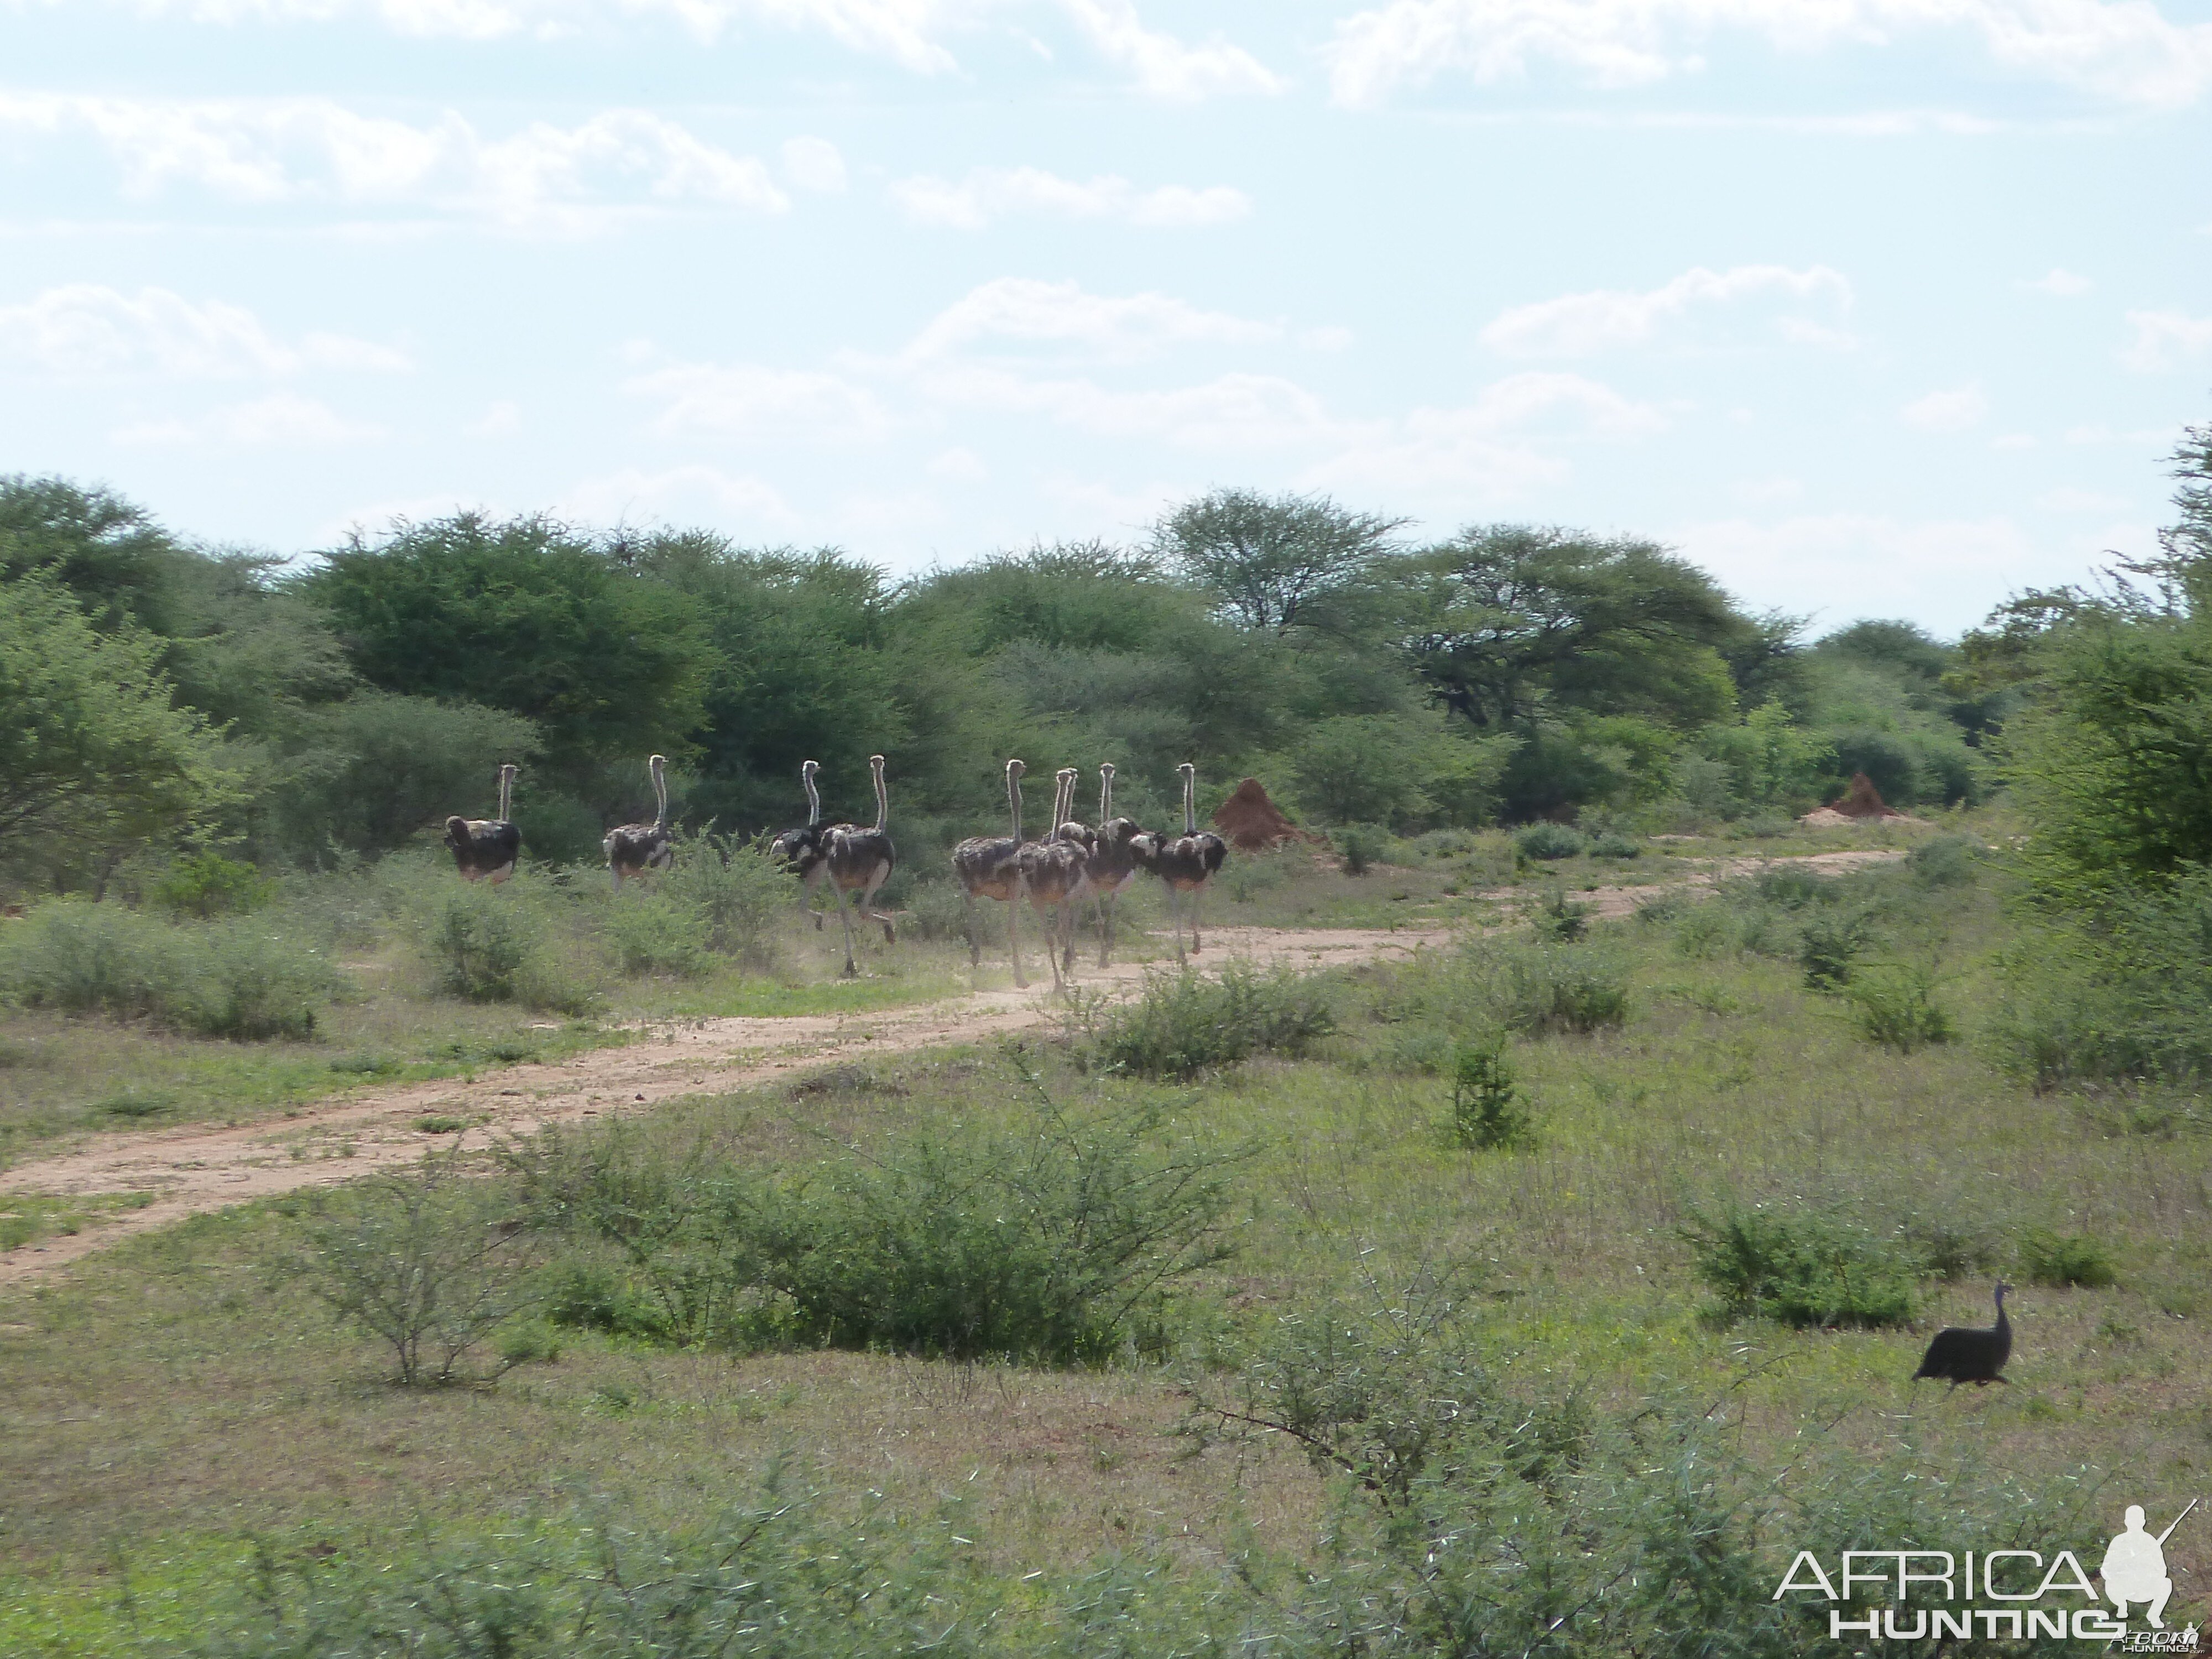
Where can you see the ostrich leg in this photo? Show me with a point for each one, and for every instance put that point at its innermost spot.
(968, 911)
(1175, 910)
(852, 969)
(1196, 894)
(1014, 902)
(1105, 928)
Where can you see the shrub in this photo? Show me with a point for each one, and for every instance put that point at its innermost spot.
(1361, 846)
(2066, 1259)
(426, 1261)
(1803, 1267)
(230, 979)
(938, 910)
(1487, 1113)
(209, 885)
(493, 944)
(1555, 987)
(1614, 845)
(1185, 1024)
(1056, 1240)
(1896, 1007)
(1548, 840)
(1829, 945)
(651, 933)
(733, 887)
(1560, 919)
(1946, 860)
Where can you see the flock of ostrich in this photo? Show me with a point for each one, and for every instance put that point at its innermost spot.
(1072, 864)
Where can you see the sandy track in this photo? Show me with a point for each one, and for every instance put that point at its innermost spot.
(194, 1170)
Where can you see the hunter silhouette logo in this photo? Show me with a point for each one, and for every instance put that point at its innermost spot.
(2011, 1595)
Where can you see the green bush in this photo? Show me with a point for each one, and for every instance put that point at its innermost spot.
(1549, 840)
(1541, 988)
(209, 885)
(496, 944)
(1895, 1007)
(2066, 1259)
(1829, 945)
(1056, 1240)
(1186, 1023)
(1615, 845)
(652, 933)
(733, 887)
(1945, 860)
(229, 979)
(938, 910)
(1803, 1267)
(1487, 1112)
(1559, 919)
(1361, 846)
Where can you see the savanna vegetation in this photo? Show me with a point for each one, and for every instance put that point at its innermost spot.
(1541, 1294)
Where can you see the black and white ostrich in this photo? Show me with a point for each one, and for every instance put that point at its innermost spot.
(634, 848)
(989, 867)
(1964, 1354)
(860, 861)
(801, 850)
(1053, 877)
(1185, 862)
(1112, 862)
(485, 849)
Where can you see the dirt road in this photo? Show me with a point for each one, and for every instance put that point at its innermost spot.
(193, 1169)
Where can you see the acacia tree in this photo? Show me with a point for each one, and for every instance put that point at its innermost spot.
(93, 753)
(1271, 561)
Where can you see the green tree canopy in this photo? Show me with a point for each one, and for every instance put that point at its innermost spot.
(526, 616)
(109, 553)
(1271, 562)
(94, 755)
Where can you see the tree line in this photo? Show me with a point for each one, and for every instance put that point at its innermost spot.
(157, 692)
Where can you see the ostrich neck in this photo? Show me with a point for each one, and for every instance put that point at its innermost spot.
(506, 786)
(1189, 805)
(1105, 797)
(1014, 803)
(660, 801)
(813, 804)
(883, 804)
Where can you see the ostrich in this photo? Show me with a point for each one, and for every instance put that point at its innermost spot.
(1053, 874)
(990, 866)
(485, 848)
(860, 861)
(801, 850)
(1186, 862)
(1969, 1355)
(634, 848)
(1112, 863)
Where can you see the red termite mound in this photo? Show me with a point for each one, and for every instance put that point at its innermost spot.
(1251, 823)
(1862, 802)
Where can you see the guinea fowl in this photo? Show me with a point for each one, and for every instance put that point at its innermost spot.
(634, 848)
(485, 849)
(801, 850)
(1966, 1355)
(989, 867)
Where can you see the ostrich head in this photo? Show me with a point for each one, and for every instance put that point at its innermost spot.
(457, 831)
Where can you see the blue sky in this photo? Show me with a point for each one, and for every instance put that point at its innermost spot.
(1876, 308)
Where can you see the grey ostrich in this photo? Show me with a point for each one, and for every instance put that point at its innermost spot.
(860, 861)
(485, 849)
(1185, 862)
(1112, 862)
(1053, 877)
(989, 867)
(801, 850)
(634, 848)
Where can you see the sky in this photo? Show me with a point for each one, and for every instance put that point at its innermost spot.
(1871, 308)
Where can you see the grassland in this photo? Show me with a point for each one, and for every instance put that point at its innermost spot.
(179, 1412)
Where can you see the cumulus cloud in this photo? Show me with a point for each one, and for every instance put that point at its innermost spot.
(2060, 284)
(2164, 340)
(83, 330)
(1941, 570)
(1024, 312)
(751, 401)
(989, 194)
(316, 151)
(1956, 409)
(680, 493)
(280, 420)
(814, 164)
(2127, 50)
(1581, 325)
(1489, 444)
(1163, 65)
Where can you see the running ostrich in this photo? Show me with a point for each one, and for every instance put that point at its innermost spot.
(1186, 862)
(634, 848)
(1053, 875)
(860, 861)
(485, 848)
(1112, 862)
(801, 850)
(989, 867)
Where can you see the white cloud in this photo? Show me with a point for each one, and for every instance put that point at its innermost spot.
(1579, 324)
(2127, 50)
(1955, 410)
(2164, 339)
(2060, 284)
(1161, 64)
(1489, 444)
(2081, 501)
(750, 401)
(316, 151)
(499, 420)
(814, 164)
(1236, 411)
(686, 493)
(280, 420)
(961, 466)
(1844, 565)
(84, 329)
(989, 193)
(1020, 311)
